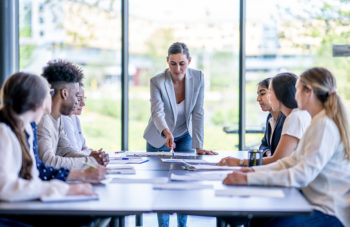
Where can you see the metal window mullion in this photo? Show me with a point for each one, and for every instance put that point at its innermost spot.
(125, 73)
(242, 117)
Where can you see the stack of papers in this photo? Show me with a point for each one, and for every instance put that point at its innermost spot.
(181, 186)
(160, 153)
(68, 198)
(209, 167)
(199, 177)
(120, 169)
(159, 180)
(258, 192)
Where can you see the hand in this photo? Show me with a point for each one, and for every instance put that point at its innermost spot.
(229, 161)
(101, 157)
(246, 170)
(203, 151)
(80, 189)
(94, 175)
(237, 178)
(169, 141)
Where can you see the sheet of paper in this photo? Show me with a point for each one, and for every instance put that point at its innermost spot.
(68, 198)
(130, 180)
(161, 153)
(259, 192)
(127, 160)
(123, 157)
(119, 166)
(181, 186)
(209, 167)
(198, 176)
(191, 161)
(121, 171)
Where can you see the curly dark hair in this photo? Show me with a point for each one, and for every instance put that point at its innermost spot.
(62, 71)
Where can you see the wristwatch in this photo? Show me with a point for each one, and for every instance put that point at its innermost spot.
(241, 162)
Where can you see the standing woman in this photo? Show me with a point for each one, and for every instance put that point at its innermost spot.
(24, 97)
(320, 166)
(177, 115)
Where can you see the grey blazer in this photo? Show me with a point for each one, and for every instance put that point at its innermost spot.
(163, 107)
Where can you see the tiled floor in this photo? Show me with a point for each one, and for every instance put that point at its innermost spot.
(150, 220)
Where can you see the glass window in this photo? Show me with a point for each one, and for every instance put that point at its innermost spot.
(293, 36)
(67, 30)
(211, 33)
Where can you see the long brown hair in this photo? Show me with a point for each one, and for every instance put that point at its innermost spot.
(22, 92)
(324, 86)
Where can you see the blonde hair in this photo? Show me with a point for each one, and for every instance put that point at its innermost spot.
(324, 86)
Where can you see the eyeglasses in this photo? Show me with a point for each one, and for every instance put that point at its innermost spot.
(52, 91)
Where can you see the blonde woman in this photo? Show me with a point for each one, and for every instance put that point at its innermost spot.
(320, 166)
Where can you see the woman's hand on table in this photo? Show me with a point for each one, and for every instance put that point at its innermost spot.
(80, 189)
(205, 152)
(236, 178)
(169, 141)
(229, 161)
(246, 170)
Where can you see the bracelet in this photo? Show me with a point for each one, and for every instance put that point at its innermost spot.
(241, 162)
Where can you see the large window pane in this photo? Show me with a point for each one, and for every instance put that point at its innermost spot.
(293, 36)
(86, 33)
(211, 33)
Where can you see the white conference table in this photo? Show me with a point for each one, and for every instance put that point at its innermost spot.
(120, 199)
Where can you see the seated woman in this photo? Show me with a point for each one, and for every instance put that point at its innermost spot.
(23, 97)
(282, 98)
(320, 166)
(274, 121)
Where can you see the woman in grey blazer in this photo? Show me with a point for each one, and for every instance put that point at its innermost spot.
(177, 115)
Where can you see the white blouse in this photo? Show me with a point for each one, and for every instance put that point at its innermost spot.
(14, 188)
(296, 123)
(318, 166)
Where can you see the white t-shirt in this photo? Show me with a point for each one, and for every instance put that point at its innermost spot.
(180, 127)
(296, 123)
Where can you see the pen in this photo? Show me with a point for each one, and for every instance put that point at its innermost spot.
(89, 165)
(144, 161)
(172, 152)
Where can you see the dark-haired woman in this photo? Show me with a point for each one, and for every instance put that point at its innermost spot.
(24, 98)
(274, 121)
(282, 98)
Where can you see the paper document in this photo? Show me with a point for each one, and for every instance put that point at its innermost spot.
(181, 186)
(208, 167)
(158, 180)
(161, 153)
(127, 160)
(259, 192)
(121, 171)
(193, 161)
(119, 166)
(200, 176)
(68, 198)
